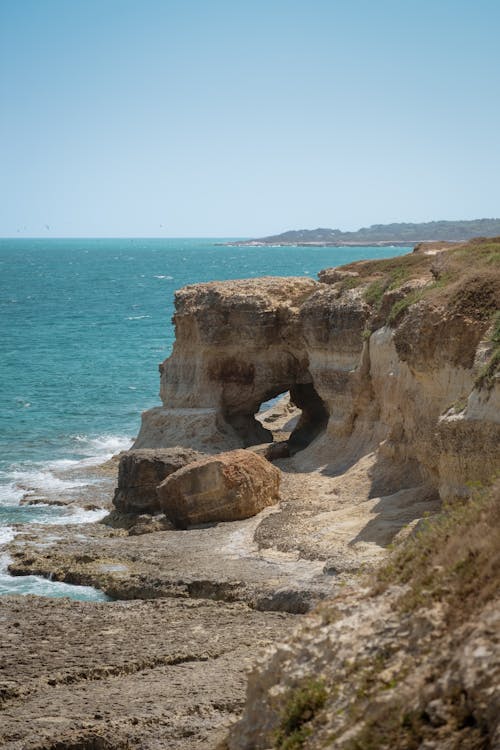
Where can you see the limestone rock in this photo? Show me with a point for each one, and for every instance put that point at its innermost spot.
(238, 344)
(141, 471)
(227, 487)
(148, 524)
(373, 356)
(202, 429)
(332, 275)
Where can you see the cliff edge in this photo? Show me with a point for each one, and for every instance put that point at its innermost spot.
(395, 357)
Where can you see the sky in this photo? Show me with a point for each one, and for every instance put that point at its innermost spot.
(241, 118)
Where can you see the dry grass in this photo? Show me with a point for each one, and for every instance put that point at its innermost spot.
(461, 279)
(487, 375)
(455, 558)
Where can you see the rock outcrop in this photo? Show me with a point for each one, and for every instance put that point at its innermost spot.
(407, 659)
(228, 487)
(237, 346)
(141, 471)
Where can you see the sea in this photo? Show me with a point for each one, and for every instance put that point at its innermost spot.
(84, 324)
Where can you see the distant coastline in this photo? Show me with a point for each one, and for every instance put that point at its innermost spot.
(262, 243)
(402, 234)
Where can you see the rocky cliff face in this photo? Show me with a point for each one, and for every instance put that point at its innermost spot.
(380, 356)
(394, 365)
(409, 657)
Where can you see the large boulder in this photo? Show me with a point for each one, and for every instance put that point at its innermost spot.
(227, 487)
(141, 471)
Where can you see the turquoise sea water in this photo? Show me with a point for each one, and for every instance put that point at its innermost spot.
(83, 326)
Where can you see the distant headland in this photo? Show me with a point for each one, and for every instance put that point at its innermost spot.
(384, 234)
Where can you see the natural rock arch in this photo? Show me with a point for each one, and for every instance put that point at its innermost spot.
(312, 421)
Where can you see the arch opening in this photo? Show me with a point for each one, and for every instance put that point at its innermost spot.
(291, 417)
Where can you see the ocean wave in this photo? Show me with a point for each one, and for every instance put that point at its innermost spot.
(55, 477)
(7, 534)
(35, 482)
(160, 276)
(103, 447)
(137, 317)
(72, 515)
(43, 480)
(10, 493)
(38, 586)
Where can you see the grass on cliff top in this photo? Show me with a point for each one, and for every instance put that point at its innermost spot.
(462, 278)
(484, 253)
(454, 558)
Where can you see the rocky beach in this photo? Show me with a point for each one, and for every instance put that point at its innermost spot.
(261, 560)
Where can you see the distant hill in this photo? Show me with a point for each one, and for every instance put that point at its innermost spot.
(403, 233)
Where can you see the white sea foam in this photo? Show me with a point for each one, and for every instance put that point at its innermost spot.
(54, 477)
(38, 586)
(7, 534)
(160, 276)
(137, 317)
(36, 483)
(72, 516)
(10, 493)
(43, 482)
(24, 585)
(103, 447)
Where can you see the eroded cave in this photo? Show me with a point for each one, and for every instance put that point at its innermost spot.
(308, 424)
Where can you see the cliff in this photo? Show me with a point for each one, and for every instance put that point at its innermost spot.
(393, 357)
(394, 366)
(408, 657)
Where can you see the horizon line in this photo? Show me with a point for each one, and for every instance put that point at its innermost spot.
(123, 237)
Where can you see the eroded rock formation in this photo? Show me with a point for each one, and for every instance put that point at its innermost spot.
(377, 356)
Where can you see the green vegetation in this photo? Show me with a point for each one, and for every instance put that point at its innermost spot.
(374, 292)
(302, 705)
(455, 558)
(397, 727)
(459, 405)
(488, 251)
(462, 280)
(487, 375)
(351, 282)
(398, 276)
(402, 305)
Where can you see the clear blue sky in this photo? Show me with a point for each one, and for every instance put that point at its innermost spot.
(245, 117)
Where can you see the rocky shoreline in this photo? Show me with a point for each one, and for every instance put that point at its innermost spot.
(390, 367)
